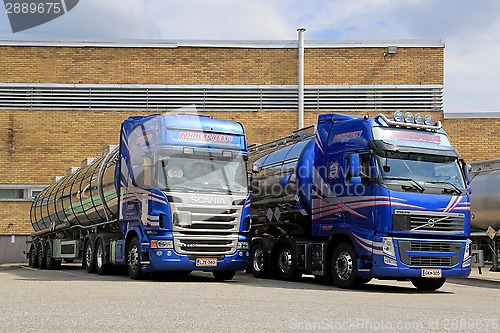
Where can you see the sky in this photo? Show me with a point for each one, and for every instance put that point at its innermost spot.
(469, 29)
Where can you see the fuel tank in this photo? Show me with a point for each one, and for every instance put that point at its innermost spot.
(485, 197)
(84, 198)
(281, 174)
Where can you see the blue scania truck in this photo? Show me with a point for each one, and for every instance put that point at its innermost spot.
(356, 198)
(172, 196)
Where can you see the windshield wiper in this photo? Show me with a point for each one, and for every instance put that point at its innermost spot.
(416, 185)
(455, 189)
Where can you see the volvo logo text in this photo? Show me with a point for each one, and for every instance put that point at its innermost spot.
(207, 201)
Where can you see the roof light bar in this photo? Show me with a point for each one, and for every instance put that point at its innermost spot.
(409, 121)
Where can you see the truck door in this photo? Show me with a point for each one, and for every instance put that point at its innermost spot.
(359, 200)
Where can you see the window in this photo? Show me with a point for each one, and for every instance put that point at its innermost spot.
(11, 194)
(20, 192)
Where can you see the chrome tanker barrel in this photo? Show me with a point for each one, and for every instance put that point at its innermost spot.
(485, 197)
(278, 173)
(85, 198)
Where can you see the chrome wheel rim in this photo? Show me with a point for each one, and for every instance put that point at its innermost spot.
(88, 255)
(344, 265)
(133, 258)
(258, 260)
(99, 256)
(285, 261)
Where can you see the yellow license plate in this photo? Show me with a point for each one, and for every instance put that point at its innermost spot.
(431, 273)
(206, 262)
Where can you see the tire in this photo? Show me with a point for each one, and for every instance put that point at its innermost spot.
(258, 264)
(32, 259)
(223, 275)
(133, 259)
(285, 264)
(40, 257)
(343, 266)
(50, 262)
(102, 268)
(88, 261)
(429, 284)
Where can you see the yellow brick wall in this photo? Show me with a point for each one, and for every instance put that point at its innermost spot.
(15, 218)
(368, 66)
(475, 138)
(196, 65)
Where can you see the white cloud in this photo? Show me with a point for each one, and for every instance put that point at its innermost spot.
(220, 19)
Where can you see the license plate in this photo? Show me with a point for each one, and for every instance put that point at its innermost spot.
(431, 273)
(206, 262)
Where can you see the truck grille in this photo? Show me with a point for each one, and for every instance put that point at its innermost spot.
(209, 219)
(430, 246)
(186, 245)
(206, 230)
(430, 261)
(415, 221)
(423, 253)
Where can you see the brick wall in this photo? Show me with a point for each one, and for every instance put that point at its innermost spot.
(195, 65)
(475, 138)
(15, 218)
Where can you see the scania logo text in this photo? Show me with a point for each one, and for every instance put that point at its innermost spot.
(207, 201)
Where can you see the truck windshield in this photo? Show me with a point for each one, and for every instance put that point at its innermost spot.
(201, 173)
(421, 171)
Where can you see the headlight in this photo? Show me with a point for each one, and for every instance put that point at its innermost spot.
(408, 117)
(390, 261)
(428, 119)
(242, 245)
(162, 244)
(419, 119)
(467, 249)
(398, 116)
(388, 246)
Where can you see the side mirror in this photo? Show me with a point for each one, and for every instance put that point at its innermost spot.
(466, 168)
(467, 173)
(255, 168)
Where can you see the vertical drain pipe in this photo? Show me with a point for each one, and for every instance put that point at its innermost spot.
(301, 76)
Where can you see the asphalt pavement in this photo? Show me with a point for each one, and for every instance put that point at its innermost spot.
(484, 273)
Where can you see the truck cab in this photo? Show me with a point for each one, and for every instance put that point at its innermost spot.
(398, 191)
(184, 194)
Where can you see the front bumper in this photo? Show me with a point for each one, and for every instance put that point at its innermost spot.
(167, 260)
(411, 255)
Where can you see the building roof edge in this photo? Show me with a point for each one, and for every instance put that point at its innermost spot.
(152, 43)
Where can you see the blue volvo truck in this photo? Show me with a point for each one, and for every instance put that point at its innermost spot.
(172, 196)
(356, 198)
